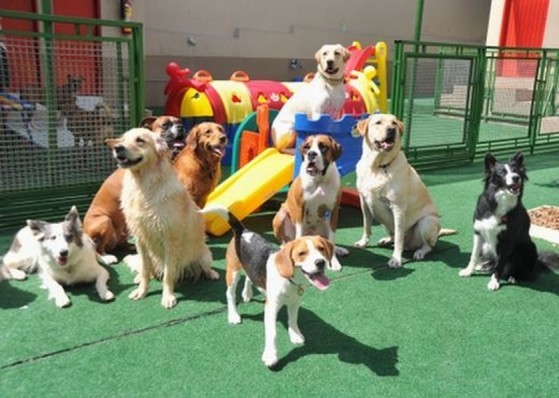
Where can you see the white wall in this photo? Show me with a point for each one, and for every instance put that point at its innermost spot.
(296, 28)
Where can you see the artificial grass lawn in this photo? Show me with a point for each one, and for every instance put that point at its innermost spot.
(417, 331)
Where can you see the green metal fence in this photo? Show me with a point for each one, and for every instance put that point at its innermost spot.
(459, 101)
(66, 84)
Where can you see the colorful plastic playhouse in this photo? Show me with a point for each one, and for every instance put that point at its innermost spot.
(246, 109)
(200, 98)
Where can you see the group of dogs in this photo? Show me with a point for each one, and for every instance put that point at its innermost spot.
(158, 195)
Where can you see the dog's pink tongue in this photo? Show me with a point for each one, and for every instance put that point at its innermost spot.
(220, 151)
(320, 281)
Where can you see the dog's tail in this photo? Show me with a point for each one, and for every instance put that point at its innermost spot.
(447, 231)
(548, 261)
(236, 224)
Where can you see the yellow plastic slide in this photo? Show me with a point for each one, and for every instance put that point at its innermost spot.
(250, 187)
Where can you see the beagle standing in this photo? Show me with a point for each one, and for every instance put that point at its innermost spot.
(313, 200)
(281, 273)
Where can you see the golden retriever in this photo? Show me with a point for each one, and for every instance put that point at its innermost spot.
(391, 191)
(160, 213)
(198, 166)
(104, 221)
(325, 94)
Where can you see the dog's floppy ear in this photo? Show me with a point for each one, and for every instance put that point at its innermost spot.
(193, 136)
(112, 142)
(38, 229)
(147, 122)
(361, 127)
(337, 149)
(400, 125)
(346, 54)
(317, 55)
(328, 247)
(284, 262)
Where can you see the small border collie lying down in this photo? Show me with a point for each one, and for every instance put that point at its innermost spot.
(502, 243)
(281, 273)
(61, 253)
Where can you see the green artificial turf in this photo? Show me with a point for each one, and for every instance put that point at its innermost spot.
(416, 331)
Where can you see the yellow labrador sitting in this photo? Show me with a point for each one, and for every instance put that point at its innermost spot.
(391, 191)
(160, 213)
(325, 94)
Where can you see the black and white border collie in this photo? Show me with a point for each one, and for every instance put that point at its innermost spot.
(502, 244)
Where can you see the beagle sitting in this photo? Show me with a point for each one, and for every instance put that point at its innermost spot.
(282, 274)
(313, 200)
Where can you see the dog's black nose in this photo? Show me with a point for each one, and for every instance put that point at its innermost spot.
(390, 133)
(223, 139)
(63, 253)
(320, 263)
(311, 155)
(515, 179)
(119, 149)
(330, 63)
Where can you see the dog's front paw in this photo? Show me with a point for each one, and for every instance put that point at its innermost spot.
(16, 274)
(168, 300)
(138, 294)
(107, 296)
(233, 318)
(341, 251)
(108, 259)
(385, 242)
(62, 301)
(465, 272)
(493, 284)
(296, 337)
(361, 243)
(270, 357)
(420, 253)
(335, 264)
(211, 275)
(394, 263)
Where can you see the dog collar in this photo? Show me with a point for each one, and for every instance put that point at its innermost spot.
(331, 81)
(300, 288)
(384, 167)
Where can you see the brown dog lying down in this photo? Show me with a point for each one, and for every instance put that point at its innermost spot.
(198, 166)
(104, 221)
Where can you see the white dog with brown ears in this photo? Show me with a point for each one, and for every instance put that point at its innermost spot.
(391, 191)
(159, 212)
(325, 94)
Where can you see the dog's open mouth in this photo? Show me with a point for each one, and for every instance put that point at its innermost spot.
(62, 260)
(178, 146)
(331, 70)
(514, 188)
(218, 150)
(385, 145)
(312, 169)
(123, 161)
(318, 280)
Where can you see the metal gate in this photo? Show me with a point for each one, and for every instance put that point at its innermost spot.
(61, 96)
(461, 101)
